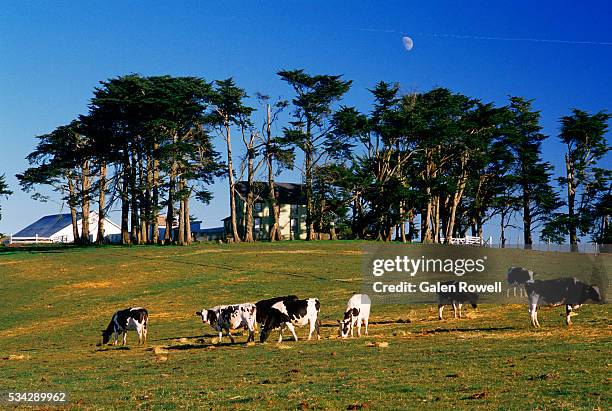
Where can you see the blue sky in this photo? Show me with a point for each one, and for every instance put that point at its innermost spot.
(55, 52)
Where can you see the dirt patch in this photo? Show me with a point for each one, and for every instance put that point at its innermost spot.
(212, 250)
(14, 357)
(91, 284)
(288, 252)
(9, 262)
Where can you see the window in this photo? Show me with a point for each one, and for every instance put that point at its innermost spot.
(294, 209)
(258, 207)
(257, 223)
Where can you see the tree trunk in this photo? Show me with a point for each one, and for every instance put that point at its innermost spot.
(310, 231)
(356, 221)
(143, 236)
(169, 234)
(149, 215)
(155, 197)
(181, 216)
(73, 210)
(125, 203)
(502, 229)
(248, 223)
(426, 224)
(436, 222)
(188, 238)
(411, 226)
(571, 204)
(453, 210)
(275, 232)
(527, 239)
(134, 223)
(85, 185)
(402, 225)
(101, 204)
(230, 174)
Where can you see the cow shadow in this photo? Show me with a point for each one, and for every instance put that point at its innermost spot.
(113, 348)
(380, 322)
(200, 336)
(190, 346)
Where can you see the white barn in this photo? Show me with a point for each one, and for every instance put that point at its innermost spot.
(57, 228)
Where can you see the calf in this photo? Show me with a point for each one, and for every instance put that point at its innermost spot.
(230, 317)
(264, 307)
(517, 278)
(292, 313)
(455, 297)
(357, 312)
(133, 319)
(569, 291)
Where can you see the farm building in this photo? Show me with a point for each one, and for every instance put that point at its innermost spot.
(57, 228)
(292, 218)
(210, 234)
(198, 233)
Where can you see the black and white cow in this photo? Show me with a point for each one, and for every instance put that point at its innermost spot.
(231, 317)
(357, 312)
(292, 313)
(455, 297)
(264, 307)
(517, 278)
(132, 319)
(561, 291)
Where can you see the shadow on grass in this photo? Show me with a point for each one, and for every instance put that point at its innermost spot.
(38, 248)
(381, 322)
(479, 329)
(187, 336)
(111, 348)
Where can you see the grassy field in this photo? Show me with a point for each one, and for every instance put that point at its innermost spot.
(55, 302)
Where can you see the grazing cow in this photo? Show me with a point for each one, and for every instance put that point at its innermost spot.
(455, 297)
(264, 307)
(292, 313)
(230, 317)
(357, 312)
(133, 319)
(517, 278)
(569, 291)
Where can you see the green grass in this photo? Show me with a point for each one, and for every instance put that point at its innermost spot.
(55, 301)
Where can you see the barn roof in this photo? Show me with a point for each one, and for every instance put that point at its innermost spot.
(46, 226)
(287, 193)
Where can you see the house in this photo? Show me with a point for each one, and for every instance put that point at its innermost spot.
(210, 234)
(57, 228)
(292, 219)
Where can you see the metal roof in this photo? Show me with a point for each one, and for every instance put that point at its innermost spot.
(47, 226)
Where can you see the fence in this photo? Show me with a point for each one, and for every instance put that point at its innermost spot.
(583, 248)
(470, 240)
(36, 240)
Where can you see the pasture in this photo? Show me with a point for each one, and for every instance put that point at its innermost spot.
(54, 302)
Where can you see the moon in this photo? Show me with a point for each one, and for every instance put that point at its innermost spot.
(408, 43)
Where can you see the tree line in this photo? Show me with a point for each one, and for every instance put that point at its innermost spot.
(419, 166)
